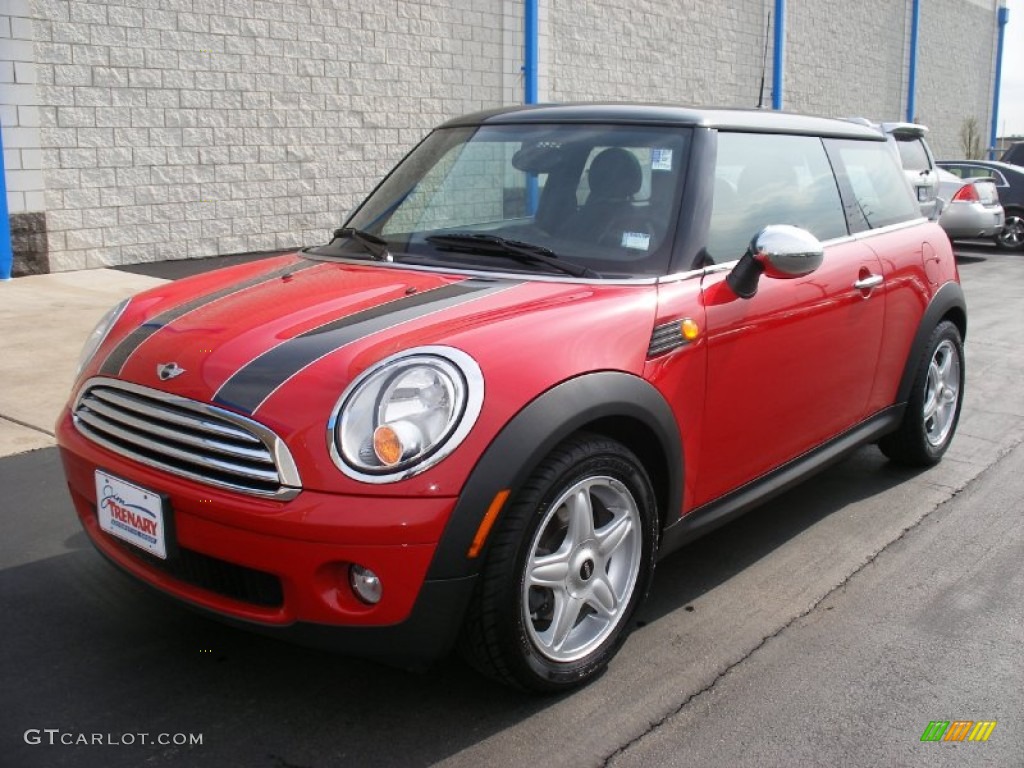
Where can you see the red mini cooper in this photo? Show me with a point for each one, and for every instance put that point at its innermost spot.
(554, 345)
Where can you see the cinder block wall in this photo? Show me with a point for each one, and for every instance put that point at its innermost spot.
(956, 70)
(850, 60)
(140, 130)
(173, 128)
(20, 117)
(702, 53)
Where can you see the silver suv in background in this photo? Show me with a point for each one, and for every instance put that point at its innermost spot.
(916, 158)
(918, 163)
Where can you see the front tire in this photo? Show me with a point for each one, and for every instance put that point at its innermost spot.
(572, 558)
(933, 410)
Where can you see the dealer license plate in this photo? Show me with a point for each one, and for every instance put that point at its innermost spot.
(131, 513)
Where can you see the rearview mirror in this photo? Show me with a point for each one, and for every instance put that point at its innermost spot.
(778, 251)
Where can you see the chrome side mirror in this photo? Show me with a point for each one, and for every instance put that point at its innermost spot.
(778, 251)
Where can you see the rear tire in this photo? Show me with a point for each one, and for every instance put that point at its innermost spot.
(1012, 236)
(934, 407)
(572, 557)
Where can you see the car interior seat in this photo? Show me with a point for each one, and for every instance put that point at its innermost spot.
(614, 177)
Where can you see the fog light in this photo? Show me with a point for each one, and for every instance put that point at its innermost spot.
(365, 584)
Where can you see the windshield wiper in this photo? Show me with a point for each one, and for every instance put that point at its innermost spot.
(527, 253)
(377, 247)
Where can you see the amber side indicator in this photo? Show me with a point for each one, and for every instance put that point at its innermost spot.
(690, 329)
(486, 524)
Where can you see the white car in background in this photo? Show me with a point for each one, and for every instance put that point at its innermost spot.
(971, 207)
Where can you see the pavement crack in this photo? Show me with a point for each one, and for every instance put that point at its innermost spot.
(656, 724)
(25, 424)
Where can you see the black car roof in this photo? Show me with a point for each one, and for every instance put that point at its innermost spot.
(758, 121)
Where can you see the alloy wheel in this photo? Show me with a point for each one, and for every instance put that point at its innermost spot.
(942, 391)
(582, 568)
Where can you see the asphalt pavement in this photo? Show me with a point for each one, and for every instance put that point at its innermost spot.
(828, 627)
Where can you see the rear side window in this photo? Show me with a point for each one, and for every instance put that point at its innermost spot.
(763, 179)
(977, 172)
(913, 155)
(878, 190)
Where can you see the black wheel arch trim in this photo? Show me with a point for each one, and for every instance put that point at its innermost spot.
(528, 437)
(949, 298)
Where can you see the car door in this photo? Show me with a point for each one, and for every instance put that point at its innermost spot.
(793, 366)
(916, 258)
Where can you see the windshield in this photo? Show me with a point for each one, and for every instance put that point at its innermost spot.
(600, 198)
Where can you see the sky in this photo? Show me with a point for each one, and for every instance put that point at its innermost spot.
(1011, 98)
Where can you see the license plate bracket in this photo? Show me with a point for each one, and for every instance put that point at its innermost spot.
(136, 515)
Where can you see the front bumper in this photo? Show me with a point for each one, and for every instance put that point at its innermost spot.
(281, 567)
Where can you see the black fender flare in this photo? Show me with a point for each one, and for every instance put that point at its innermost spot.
(949, 298)
(533, 433)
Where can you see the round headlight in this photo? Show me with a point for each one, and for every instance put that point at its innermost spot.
(405, 414)
(99, 333)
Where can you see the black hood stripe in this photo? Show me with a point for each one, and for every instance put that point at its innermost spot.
(126, 348)
(252, 384)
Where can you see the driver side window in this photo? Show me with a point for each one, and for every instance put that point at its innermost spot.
(763, 179)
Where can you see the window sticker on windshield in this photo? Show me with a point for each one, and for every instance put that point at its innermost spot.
(639, 241)
(661, 159)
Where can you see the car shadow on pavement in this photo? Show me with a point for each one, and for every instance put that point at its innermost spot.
(970, 258)
(90, 651)
(710, 561)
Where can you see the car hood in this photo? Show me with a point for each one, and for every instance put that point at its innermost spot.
(234, 337)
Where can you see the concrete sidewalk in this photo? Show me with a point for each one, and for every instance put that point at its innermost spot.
(44, 321)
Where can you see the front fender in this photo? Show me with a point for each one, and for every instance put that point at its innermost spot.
(535, 431)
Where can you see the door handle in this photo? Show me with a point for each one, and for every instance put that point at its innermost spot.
(869, 282)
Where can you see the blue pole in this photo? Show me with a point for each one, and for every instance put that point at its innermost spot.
(530, 24)
(1003, 18)
(915, 20)
(530, 45)
(779, 53)
(6, 254)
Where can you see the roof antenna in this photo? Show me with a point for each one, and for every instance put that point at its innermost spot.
(764, 60)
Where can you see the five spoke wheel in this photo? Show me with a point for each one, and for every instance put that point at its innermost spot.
(942, 393)
(570, 561)
(582, 568)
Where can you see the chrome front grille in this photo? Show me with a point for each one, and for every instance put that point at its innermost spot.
(186, 438)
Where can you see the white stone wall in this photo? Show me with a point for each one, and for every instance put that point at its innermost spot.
(849, 62)
(19, 110)
(174, 128)
(956, 71)
(696, 53)
(166, 129)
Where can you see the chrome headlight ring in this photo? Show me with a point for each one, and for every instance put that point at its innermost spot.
(404, 414)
